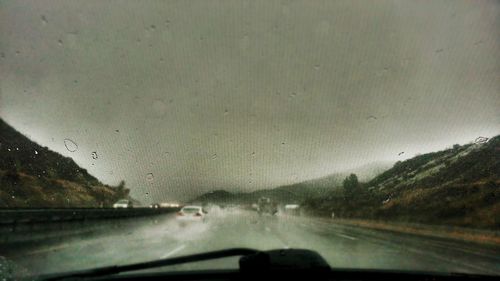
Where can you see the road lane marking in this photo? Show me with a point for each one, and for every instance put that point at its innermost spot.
(346, 236)
(49, 249)
(180, 248)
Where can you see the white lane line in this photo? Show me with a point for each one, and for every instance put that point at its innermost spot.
(49, 249)
(180, 248)
(346, 236)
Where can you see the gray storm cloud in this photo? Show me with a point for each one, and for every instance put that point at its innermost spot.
(243, 95)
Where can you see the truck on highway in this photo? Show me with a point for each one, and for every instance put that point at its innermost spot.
(265, 206)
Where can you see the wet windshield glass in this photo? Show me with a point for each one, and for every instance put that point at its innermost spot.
(367, 131)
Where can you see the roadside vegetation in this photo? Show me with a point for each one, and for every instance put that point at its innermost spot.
(458, 186)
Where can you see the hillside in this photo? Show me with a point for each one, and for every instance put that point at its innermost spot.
(456, 186)
(293, 193)
(32, 176)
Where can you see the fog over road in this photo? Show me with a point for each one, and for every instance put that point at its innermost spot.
(142, 239)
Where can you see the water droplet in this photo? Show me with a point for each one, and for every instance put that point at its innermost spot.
(70, 145)
(2, 55)
(18, 53)
(481, 140)
(153, 26)
(36, 152)
(44, 19)
(94, 155)
(253, 154)
(150, 177)
(226, 112)
(316, 67)
(117, 131)
(75, 81)
(159, 107)
(401, 153)
(293, 94)
(8, 149)
(282, 143)
(214, 156)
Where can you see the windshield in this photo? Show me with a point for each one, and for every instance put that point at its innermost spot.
(367, 131)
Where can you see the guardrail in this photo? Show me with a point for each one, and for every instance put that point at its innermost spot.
(22, 227)
(23, 216)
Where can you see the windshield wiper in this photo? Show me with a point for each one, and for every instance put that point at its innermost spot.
(289, 264)
(109, 270)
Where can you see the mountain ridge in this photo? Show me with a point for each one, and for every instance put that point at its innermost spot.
(455, 186)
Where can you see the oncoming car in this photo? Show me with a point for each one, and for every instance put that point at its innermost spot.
(191, 214)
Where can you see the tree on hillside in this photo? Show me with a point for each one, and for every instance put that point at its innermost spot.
(122, 191)
(351, 186)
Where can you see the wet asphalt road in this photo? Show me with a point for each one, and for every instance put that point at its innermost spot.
(143, 239)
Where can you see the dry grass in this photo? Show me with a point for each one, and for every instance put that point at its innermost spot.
(471, 235)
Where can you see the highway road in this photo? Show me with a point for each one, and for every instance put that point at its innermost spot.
(142, 239)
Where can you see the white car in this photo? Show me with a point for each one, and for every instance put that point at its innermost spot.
(124, 203)
(191, 214)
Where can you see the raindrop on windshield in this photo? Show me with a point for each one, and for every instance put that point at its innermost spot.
(316, 67)
(94, 155)
(60, 42)
(44, 19)
(214, 156)
(159, 107)
(481, 140)
(36, 152)
(150, 177)
(253, 154)
(70, 145)
(226, 112)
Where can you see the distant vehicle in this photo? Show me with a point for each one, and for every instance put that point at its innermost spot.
(123, 203)
(191, 214)
(266, 206)
(292, 209)
(169, 205)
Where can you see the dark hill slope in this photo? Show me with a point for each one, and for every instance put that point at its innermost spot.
(32, 176)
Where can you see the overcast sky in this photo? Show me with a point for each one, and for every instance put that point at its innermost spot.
(241, 95)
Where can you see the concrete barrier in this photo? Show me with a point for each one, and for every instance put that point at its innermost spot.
(22, 226)
(28, 216)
